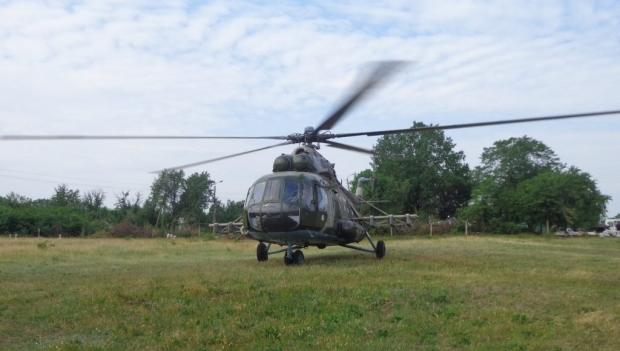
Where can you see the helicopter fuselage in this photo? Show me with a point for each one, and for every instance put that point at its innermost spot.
(302, 203)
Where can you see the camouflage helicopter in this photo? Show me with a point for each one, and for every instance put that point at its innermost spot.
(302, 203)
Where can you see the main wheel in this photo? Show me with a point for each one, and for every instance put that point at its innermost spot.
(298, 257)
(262, 253)
(380, 249)
(289, 260)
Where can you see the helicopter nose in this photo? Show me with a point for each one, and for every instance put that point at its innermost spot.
(278, 217)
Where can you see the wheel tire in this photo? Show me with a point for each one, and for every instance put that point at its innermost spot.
(380, 249)
(262, 253)
(298, 257)
(289, 260)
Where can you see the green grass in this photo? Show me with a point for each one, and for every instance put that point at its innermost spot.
(455, 293)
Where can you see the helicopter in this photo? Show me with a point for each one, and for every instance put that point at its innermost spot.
(302, 203)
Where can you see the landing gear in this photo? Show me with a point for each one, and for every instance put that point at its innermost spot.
(296, 257)
(262, 252)
(380, 249)
(292, 253)
(288, 260)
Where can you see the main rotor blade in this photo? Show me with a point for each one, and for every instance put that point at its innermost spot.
(348, 147)
(380, 72)
(129, 137)
(221, 158)
(475, 124)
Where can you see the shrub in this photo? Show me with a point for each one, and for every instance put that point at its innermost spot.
(126, 229)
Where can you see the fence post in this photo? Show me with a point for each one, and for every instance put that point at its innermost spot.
(430, 221)
(466, 229)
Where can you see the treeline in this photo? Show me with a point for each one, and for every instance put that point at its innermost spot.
(520, 184)
(176, 203)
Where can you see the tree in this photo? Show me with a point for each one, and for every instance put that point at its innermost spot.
(165, 195)
(66, 197)
(482, 207)
(197, 193)
(127, 209)
(521, 184)
(13, 199)
(226, 213)
(122, 201)
(561, 198)
(174, 196)
(93, 201)
(513, 160)
(420, 173)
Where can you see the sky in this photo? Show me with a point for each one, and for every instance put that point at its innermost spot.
(273, 68)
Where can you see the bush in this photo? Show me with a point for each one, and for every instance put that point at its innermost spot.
(126, 229)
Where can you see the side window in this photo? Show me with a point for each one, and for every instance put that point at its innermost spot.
(256, 193)
(321, 198)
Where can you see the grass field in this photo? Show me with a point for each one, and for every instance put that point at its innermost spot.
(478, 293)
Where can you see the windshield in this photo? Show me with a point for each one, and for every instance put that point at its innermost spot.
(256, 193)
(275, 190)
(272, 190)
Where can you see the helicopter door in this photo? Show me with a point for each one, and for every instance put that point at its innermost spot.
(321, 205)
(314, 206)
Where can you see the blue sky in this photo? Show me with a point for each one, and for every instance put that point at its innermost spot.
(243, 68)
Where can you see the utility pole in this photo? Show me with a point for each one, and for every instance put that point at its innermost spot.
(215, 203)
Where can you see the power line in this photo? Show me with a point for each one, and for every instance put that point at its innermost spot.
(62, 182)
(70, 177)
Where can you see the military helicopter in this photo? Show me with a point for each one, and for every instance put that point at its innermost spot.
(302, 203)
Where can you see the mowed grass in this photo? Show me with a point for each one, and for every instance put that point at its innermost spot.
(454, 293)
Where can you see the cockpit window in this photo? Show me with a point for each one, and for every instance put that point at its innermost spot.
(272, 190)
(291, 191)
(256, 193)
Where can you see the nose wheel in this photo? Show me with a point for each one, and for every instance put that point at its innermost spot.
(292, 253)
(296, 258)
